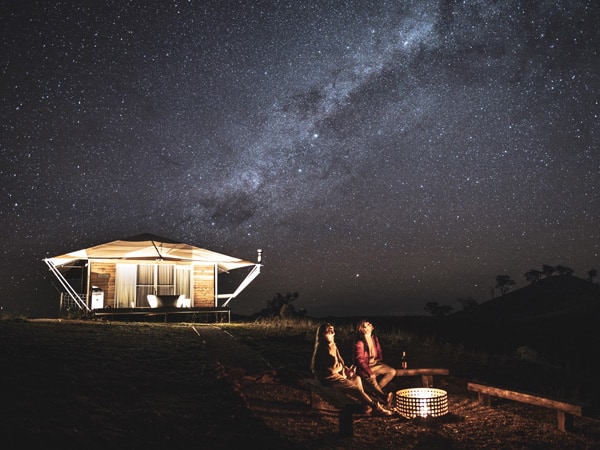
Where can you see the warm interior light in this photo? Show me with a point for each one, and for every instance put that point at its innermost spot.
(421, 402)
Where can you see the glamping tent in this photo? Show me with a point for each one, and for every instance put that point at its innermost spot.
(146, 272)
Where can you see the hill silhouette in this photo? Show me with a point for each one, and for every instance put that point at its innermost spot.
(557, 295)
(555, 317)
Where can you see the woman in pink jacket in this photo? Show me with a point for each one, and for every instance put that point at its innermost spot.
(368, 358)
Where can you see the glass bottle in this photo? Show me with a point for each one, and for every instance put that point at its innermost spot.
(404, 361)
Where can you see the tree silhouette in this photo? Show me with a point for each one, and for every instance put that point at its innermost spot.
(466, 302)
(437, 310)
(503, 283)
(281, 305)
(533, 276)
(562, 270)
(591, 275)
(548, 270)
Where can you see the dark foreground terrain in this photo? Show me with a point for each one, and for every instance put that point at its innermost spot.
(86, 384)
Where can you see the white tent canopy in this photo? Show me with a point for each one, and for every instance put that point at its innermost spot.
(151, 247)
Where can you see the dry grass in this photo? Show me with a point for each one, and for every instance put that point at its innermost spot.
(116, 385)
(68, 384)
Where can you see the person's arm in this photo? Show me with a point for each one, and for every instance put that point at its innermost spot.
(361, 358)
(327, 366)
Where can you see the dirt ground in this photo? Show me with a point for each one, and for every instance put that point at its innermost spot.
(506, 425)
(124, 386)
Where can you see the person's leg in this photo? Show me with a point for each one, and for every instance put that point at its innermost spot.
(387, 374)
(371, 386)
(353, 389)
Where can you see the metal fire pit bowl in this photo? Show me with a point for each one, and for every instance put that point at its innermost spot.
(421, 402)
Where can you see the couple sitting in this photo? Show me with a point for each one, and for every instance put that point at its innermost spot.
(330, 369)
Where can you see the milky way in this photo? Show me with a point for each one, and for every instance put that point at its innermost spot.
(383, 154)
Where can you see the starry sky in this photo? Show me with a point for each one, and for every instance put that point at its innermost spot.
(382, 154)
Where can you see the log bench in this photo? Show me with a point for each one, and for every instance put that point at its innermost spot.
(338, 400)
(564, 411)
(426, 374)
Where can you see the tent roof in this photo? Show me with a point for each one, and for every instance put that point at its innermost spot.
(151, 247)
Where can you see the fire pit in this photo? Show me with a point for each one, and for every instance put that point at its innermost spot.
(421, 402)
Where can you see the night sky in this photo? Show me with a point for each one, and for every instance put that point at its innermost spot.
(382, 154)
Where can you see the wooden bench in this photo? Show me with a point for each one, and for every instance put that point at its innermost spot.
(426, 374)
(338, 400)
(564, 411)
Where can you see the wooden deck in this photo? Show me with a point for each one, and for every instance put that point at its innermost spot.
(181, 314)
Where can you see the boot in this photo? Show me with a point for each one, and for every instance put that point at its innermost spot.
(381, 410)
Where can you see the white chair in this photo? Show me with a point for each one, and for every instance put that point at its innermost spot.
(183, 302)
(152, 300)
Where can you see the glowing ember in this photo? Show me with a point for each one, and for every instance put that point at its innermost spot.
(421, 402)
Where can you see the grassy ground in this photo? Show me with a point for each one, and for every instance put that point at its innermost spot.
(116, 385)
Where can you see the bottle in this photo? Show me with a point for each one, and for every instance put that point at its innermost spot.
(404, 362)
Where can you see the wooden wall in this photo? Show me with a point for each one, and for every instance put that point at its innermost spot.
(102, 274)
(204, 287)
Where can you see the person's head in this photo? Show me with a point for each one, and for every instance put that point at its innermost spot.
(364, 327)
(325, 332)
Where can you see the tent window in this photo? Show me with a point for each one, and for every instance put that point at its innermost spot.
(125, 285)
(144, 284)
(164, 281)
(161, 279)
(183, 280)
